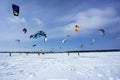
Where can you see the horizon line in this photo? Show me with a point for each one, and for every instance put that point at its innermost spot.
(72, 51)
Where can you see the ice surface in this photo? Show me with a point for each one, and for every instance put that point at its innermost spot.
(86, 66)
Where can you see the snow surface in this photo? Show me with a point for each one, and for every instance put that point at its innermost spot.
(86, 66)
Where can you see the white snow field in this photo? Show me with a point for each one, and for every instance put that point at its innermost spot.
(86, 66)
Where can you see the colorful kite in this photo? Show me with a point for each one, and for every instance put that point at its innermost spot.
(77, 28)
(15, 9)
(39, 34)
(24, 30)
(64, 40)
(103, 32)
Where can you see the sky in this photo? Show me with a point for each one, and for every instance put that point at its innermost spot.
(57, 18)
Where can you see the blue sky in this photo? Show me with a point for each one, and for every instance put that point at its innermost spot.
(58, 18)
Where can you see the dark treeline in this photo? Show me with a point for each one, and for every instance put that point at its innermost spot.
(76, 51)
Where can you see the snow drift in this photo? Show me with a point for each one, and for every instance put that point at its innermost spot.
(86, 66)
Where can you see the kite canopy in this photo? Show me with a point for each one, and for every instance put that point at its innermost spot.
(77, 28)
(34, 45)
(39, 34)
(64, 40)
(24, 30)
(31, 36)
(15, 9)
(103, 32)
(18, 41)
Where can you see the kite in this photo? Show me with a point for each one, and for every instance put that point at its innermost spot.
(39, 34)
(64, 40)
(24, 30)
(34, 45)
(31, 36)
(77, 28)
(81, 46)
(18, 41)
(15, 9)
(103, 32)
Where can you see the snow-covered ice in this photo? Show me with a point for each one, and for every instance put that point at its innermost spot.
(86, 66)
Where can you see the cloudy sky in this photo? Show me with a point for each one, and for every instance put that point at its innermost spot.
(58, 19)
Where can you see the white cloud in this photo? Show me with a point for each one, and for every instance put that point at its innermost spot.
(59, 32)
(94, 19)
(88, 20)
(38, 21)
(16, 20)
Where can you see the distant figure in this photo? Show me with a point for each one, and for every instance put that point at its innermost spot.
(68, 54)
(9, 54)
(43, 53)
(39, 54)
(26, 53)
